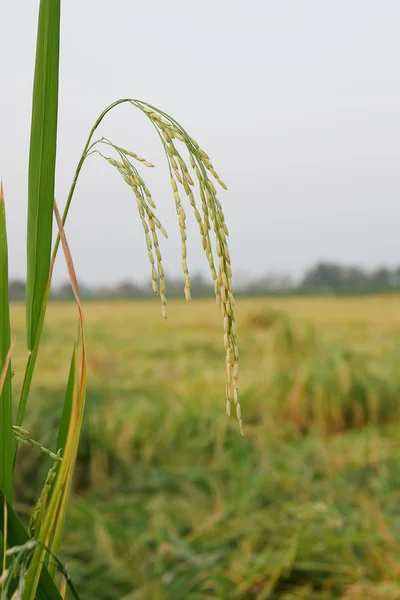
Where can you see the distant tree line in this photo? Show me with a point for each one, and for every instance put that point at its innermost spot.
(337, 278)
(324, 277)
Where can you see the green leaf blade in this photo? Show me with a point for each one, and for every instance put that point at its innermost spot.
(6, 440)
(67, 406)
(42, 162)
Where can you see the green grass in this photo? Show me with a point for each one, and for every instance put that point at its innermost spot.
(169, 502)
(330, 386)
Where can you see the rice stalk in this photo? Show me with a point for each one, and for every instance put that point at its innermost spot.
(6, 443)
(170, 132)
(169, 129)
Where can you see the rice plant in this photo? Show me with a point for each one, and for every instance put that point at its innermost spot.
(167, 504)
(326, 386)
(30, 563)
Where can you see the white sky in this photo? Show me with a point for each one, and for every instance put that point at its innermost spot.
(297, 103)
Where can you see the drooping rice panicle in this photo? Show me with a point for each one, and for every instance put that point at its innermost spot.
(210, 219)
(149, 222)
(212, 210)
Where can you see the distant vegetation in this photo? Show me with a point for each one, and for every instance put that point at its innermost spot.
(324, 277)
(169, 502)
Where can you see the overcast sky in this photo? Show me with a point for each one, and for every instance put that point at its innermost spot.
(297, 103)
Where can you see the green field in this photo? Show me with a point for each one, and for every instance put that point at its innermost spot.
(170, 502)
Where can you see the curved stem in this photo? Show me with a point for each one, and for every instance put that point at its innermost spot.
(79, 168)
(85, 153)
(30, 367)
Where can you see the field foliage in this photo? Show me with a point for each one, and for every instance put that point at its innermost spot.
(170, 502)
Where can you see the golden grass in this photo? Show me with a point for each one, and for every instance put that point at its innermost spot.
(121, 334)
(168, 498)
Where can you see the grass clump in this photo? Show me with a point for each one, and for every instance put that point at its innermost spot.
(328, 386)
(264, 318)
(166, 503)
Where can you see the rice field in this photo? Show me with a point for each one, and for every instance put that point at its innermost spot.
(170, 502)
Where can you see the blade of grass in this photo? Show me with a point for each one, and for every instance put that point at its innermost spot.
(6, 366)
(46, 534)
(68, 428)
(71, 421)
(30, 366)
(52, 528)
(6, 441)
(42, 162)
(67, 406)
(66, 413)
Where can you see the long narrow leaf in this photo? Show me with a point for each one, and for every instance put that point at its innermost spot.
(71, 422)
(65, 426)
(6, 366)
(67, 406)
(52, 528)
(67, 437)
(6, 441)
(30, 367)
(46, 532)
(42, 162)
